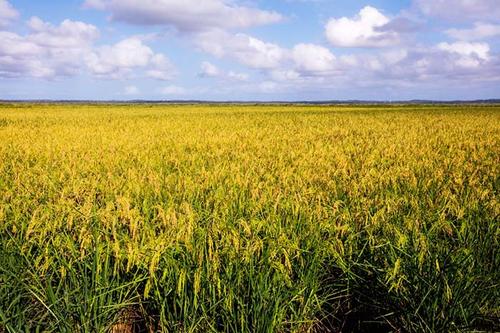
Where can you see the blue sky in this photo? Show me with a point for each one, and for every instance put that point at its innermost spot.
(249, 49)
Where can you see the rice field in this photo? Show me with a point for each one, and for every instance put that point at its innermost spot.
(239, 218)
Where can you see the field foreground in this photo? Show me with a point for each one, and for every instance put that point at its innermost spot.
(116, 218)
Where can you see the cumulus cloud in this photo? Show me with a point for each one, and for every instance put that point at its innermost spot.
(480, 50)
(304, 59)
(370, 28)
(126, 54)
(274, 62)
(478, 32)
(50, 51)
(7, 13)
(313, 58)
(208, 70)
(47, 51)
(469, 54)
(186, 15)
(120, 59)
(461, 10)
(246, 49)
(310, 66)
(237, 76)
(285, 74)
(261, 55)
(444, 62)
(69, 34)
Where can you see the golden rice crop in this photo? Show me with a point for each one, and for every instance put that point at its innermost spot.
(232, 218)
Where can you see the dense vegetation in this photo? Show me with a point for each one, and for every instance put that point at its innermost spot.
(249, 218)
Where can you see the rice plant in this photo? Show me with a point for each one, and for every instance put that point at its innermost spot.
(232, 218)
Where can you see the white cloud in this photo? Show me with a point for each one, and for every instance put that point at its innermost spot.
(131, 90)
(480, 50)
(186, 15)
(257, 53)
(461, 10)
(7, 13)
(470, 54)
(285, 75)
(160, 68)
(393, 56)
(120, 59)
(479, 32)
(208, 70)
(95, 4)
(246, 49)
(18, 46)
(309, 66)
(302, 59)
(47, 51)
(69, 34)
(444, 62)
(364, 30)
(50, 51)
(237, 76)
(419, 66)
(173, 90)
(313, 58)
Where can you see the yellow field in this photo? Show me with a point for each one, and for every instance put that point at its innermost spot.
(249, 218)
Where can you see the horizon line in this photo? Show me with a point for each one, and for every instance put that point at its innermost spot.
(298, 102)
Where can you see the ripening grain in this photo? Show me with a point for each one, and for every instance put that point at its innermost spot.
(249, 218)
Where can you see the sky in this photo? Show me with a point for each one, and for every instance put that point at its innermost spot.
(221, 50)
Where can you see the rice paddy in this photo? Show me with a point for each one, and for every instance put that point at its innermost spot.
(238, 218)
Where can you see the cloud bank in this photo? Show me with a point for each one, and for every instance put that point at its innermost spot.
(186, 15)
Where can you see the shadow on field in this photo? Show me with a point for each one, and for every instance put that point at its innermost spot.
(359, 308)
(133, 320)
